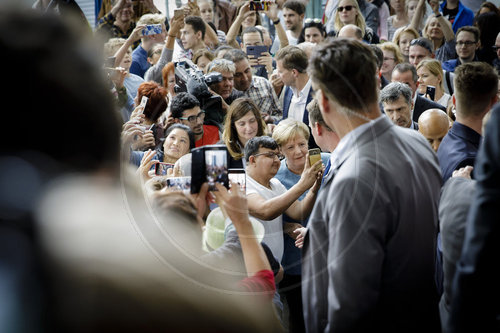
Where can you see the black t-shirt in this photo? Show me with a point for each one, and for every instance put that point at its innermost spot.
(450, 14)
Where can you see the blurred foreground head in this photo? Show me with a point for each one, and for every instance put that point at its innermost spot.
(60, 103)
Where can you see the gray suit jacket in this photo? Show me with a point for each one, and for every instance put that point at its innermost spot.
(369, 255)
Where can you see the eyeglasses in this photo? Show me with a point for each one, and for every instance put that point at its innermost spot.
(465, 43)
(272, 155)
(422, 43)
(193, 119)
(346, 8)
(495, 48)
(312, 20)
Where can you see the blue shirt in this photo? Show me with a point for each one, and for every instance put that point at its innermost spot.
(140, 62)
(291, 254)
(458, 149)
(464, 17)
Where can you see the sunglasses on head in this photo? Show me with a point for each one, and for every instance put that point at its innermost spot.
(421, 43)
(312, 20)
(346, 8)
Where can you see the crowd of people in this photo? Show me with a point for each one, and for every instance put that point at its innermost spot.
(392, 229)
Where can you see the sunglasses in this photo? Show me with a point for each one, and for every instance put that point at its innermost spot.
(421, 43)
(346, 8)
(312, 20)
(495, 48)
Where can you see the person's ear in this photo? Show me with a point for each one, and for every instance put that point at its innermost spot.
(319, 129)
(323, 101)
(251, 159)
(150, 61)
(199, 35)
(454, 100)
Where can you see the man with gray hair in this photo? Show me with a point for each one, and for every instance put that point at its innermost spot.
(351, 31)
(397, 102)
(369, 255)
(224, 88)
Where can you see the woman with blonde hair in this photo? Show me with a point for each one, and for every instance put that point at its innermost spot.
(437, 29)
(243, 122)
(348, 12)
(402, 38)
(430, 73)
(392, 57)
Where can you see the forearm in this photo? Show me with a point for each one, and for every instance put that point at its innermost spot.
(417, 17)
(233, 32)
(304, 207)
(211, 35)
(253, 254)
(272, 208)
(122, 51)
(280, 31)
(447, 31)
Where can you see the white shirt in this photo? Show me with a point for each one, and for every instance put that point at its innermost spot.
(273, 236)
(298, 102)
(291, 40)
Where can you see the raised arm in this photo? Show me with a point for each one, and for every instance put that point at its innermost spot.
(272, 13)
(210, 35)
(416, 20)
(134, 37)
(443, 22)
(235, 27)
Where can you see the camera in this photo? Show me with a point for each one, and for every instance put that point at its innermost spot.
(192, 80)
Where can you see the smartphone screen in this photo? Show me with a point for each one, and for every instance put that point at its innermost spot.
(179, 184)
(161, 168)
(238, 176)
(216, 167)
(431, 92)
(314, 155)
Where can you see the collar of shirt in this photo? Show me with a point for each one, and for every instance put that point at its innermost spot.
(348, 142)
(300, 96)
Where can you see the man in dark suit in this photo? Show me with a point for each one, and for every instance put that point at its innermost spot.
(406, 73)
(291, 63)
(476, 288)
(397, 102)
(475, 93)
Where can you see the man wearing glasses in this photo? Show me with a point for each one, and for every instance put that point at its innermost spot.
(268, 199)
(466, 46)
(186, 110)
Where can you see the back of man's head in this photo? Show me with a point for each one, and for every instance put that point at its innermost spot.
(65, 91)
(197, 23)
(295, 5)
(292, 57)
(182, 101)
(476, 84)
(351, 31)
(334, 68)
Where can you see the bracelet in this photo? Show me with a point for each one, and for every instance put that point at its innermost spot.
(438, 15)
(277, 21)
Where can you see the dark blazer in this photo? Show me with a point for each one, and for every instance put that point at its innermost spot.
(423, 104)
(305, 119)
(458, 149)
(476, 286)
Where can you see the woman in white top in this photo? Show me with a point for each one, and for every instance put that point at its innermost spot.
(430, 73)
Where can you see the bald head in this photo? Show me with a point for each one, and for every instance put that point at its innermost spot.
(351, 31)
(433, 124)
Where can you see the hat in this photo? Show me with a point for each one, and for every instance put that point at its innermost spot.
(214, 231)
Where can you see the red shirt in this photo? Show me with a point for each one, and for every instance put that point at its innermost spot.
(210, 136)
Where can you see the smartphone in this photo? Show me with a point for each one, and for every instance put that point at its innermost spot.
(152, 29)
(314, 155)
(178, 13)
(259, 5)
(209, 164)
(144, 101)
(256, 50)
(238, 176)
(161, 168)
(179, 184)
(431, 92)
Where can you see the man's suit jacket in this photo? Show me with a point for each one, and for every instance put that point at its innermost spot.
(369, 254)
(305, 119)
(476, 287)
(423, 104)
